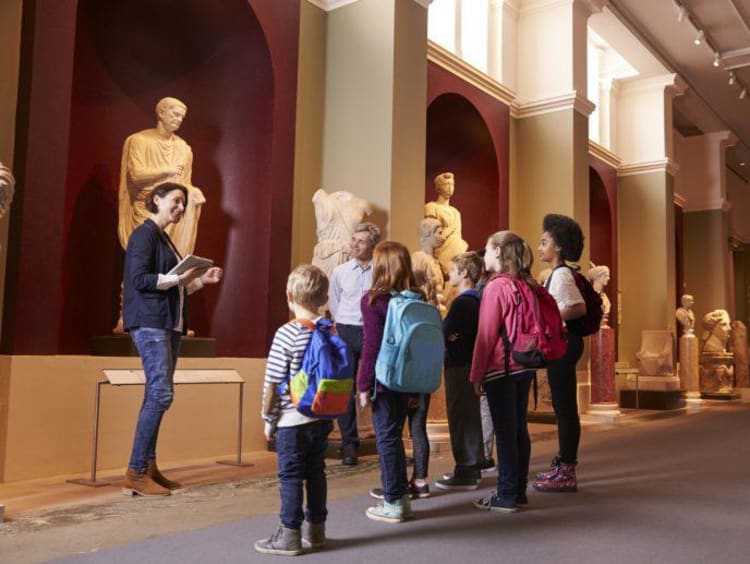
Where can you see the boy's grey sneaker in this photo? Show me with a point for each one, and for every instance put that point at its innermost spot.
(313, 535)
(494, 503)
(286, 542)
(457, 483)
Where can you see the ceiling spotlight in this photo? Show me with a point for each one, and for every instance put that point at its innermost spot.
(742, 164)
(743, 93)
(717, 59)
(732, 80)
(682, 14)
(699, 37)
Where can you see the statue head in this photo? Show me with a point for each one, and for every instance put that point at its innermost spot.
(599, 277)
(430, 233)
(687, 301)
(445, 184)
(170, 112)
(717, 328)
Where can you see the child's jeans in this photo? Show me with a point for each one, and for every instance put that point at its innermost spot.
(418, 408)
(388, 418)
(302, 452)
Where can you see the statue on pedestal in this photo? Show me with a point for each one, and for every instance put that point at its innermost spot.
(717, 365)
(336, 216)
(153, 156)
(599, 278)
(7, 189)
(450, 220)
(685, 315)
(427, 268)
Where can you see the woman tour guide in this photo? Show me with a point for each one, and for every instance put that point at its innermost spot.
(155, 314)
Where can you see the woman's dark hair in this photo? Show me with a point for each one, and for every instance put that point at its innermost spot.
(567, 235)
(162, 190)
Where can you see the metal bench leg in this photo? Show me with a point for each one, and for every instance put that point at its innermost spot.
(238, 462)
(92, 482)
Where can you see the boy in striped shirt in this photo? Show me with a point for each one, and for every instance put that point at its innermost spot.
(301, 442)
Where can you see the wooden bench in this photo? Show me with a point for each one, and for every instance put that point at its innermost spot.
(122, 377)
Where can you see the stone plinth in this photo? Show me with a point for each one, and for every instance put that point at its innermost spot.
(689, 364)
(652, 383)
(717, 374)
(603, 367)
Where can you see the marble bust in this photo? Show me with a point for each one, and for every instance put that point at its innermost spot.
(153, 156)
(7, 189)
(336, 216)
(685, 315)
(425, 264)
(449, 218)
(717, 329)
(599, 278)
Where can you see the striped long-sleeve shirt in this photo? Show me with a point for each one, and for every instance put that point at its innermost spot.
(284, 361)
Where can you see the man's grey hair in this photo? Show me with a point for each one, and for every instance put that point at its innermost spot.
(370, 228)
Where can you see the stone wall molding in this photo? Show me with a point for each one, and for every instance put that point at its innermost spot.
(604, 154)
(329, 5)
(573, 100)
(646, 167)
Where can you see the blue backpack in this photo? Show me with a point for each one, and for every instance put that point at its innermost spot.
(413, 348)
(323, 386)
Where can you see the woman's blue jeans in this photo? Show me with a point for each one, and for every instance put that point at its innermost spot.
(158, 349)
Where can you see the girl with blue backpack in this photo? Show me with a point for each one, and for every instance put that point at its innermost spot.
(393, 280)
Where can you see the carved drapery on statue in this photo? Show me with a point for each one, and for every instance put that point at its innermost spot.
(450, 220)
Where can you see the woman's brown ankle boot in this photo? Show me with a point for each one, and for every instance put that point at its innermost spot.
(140, 483)
(161, 479)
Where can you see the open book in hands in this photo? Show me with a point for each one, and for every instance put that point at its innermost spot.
(189, 262)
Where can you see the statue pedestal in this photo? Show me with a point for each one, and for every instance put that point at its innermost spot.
(716, 375)
(652, 392)
(603, 405)
(744, 394)
(690, 370)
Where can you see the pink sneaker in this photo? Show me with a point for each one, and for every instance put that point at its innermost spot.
(563, 481)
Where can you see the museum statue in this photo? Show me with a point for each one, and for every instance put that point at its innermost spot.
(336, 216)
(449, 218)
(153, 156)
(426, 267)
(599, 277)
(738, 346)
(685, 315)
(7, 189)
(717, 328)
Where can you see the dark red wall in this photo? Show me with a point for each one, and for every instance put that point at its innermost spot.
(468, 134)
(602, 236)
(234, 63)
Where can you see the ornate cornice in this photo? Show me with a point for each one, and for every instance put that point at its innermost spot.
(604, 154)
(646, 167)
(473, 76)
(572, 100)
(329, 5)
(680, 200)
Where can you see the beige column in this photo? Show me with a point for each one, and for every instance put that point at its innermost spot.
(646, 231)
(374, 123)
(10, 55)
(709, 267)
(502, 43)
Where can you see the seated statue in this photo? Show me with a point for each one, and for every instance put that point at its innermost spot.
(716, 331)
(336, 216)
(425, 264)
(656, 355)
(685, 315)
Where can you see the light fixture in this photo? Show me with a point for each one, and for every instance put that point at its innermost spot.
(717, 60)
(699, 37)
(682, 14)
(731, 78)
(742, 164)
(743, 93)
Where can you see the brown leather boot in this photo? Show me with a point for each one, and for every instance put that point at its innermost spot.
(161, 479)
(137, 483)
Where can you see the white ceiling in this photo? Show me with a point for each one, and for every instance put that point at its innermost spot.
(711, 103)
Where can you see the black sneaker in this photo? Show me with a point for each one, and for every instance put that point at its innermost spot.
(457, 483)
(377, 493)
(418, 492)
(494, 503)
(488, 467)
(521, 499)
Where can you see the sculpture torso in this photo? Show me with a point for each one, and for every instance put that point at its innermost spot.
(450, 220)
(686, 318)
(143, 154)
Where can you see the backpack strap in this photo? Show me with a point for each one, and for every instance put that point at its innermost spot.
(306, 322)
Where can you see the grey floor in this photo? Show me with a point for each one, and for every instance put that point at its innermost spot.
(674, 491)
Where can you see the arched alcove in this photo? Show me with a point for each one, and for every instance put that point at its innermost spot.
(214, 57)
(600, 239)
(459, 141)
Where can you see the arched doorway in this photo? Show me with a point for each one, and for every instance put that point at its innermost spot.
(601, 240)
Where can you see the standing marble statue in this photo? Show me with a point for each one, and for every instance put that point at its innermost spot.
(7, 189)
(685, 314)
(336, 215)
(599, 277)
(449, 218)
(153, 156)
(425, 264)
